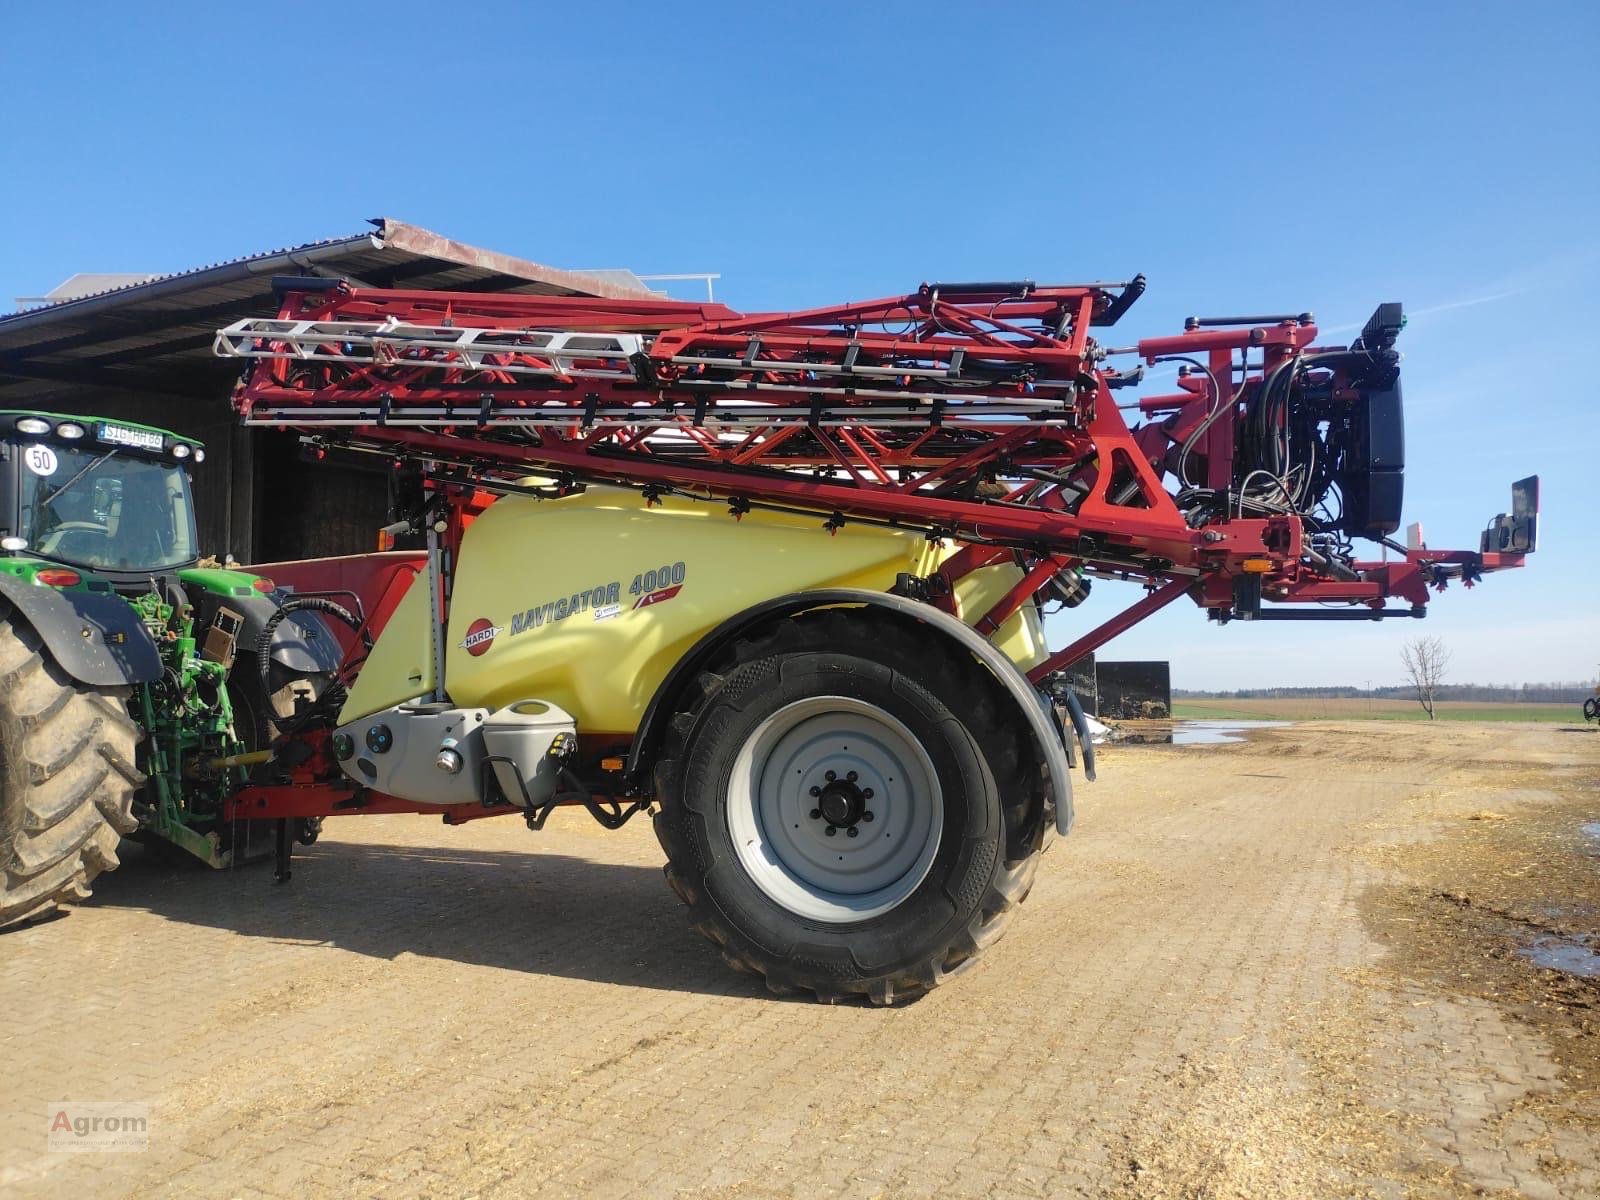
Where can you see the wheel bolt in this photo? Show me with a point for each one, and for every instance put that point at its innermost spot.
(867, 816)
(830, 777)
(851, 777)
(816, 791)
(853, 831)
(831, 830)
(815, 813)
(866, 793)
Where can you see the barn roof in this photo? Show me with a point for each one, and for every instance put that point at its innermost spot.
(155, 333)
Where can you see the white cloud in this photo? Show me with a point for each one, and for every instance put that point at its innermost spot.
(1536, 277)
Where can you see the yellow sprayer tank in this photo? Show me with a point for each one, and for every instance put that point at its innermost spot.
(588, 601)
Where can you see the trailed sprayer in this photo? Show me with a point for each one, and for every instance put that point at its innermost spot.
(779, 579)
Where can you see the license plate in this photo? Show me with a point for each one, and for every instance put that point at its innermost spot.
(135, 439)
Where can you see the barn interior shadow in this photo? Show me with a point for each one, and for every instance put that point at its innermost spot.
(548, 914)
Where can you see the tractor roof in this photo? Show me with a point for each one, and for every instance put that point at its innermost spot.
(10, 416)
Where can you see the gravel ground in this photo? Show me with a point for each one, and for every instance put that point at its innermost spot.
(1291, 967)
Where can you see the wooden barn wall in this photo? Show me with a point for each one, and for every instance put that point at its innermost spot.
(1130, 690)
(1081, 678)
(313, 510)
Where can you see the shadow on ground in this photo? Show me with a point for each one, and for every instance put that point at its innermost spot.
(548, 914)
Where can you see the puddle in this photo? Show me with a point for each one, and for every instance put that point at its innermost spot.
(1185, 733)
(1592, 829)
(1215, 733)
(1564, 955)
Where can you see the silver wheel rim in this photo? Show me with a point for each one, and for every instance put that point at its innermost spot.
(781, 783)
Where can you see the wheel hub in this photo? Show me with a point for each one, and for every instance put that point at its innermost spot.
(842, 804)
(835, 809)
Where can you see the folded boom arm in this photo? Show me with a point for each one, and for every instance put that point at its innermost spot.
(987, 413)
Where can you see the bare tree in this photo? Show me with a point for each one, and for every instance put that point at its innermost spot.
(1425, 659)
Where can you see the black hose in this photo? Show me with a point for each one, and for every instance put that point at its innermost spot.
(1213, 411)
(612, 817)
(332, 697)
(1080, 725)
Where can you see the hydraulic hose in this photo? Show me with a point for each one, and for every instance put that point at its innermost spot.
(332, 696)
(1080, 725)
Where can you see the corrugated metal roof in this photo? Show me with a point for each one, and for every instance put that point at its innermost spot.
(156, 335)
(84, 283)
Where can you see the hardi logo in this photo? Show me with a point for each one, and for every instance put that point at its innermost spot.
(659, 596)
(480, 636)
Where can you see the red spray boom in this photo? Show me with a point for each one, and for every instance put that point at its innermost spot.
(988, 413)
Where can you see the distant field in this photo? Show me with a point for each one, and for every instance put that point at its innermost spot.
(1377, 710)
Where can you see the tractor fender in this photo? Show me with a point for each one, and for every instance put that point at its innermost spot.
(97, 638)
(1031, 705)
(303, 644)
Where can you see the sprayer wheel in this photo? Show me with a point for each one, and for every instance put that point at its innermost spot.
(845, 810)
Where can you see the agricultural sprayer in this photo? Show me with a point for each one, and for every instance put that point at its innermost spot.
(779, 579)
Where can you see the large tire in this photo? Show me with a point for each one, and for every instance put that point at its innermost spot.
(67, 778)
(789, 697)
(1591, 709)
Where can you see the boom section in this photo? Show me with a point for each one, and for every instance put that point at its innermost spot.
(988, 413)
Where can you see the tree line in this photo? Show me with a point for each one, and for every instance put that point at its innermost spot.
(1519, 693)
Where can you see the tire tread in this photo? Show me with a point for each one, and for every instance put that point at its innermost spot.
(67, 779)
(1011, 759)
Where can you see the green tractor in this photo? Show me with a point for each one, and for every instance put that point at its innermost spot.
(136, 682)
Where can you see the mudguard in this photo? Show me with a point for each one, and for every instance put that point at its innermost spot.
(97, 638)
(1030, 705)
(302, 644)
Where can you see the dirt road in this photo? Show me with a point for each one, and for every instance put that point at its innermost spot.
(1289, 967)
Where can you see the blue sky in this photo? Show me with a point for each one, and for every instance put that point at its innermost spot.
(1261, 158)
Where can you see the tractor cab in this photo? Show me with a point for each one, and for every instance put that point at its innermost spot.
(99, 555)
(106, 497)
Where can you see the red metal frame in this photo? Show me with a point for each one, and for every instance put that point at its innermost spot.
(985, 413)
(1154, 600)
(370, 586)
(339, 798)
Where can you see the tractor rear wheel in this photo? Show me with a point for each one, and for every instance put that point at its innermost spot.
(846, 809)
(67, 777)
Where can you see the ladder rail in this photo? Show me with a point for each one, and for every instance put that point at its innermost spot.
(439, 416)
(389, 344)
(328, 341)
(964, 356)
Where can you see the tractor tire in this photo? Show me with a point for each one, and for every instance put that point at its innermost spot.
(1591, 709)
(67, 779)
(756, 769)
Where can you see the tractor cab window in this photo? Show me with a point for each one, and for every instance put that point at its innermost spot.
(104, 509)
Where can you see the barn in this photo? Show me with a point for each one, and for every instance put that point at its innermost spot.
(139, 348)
